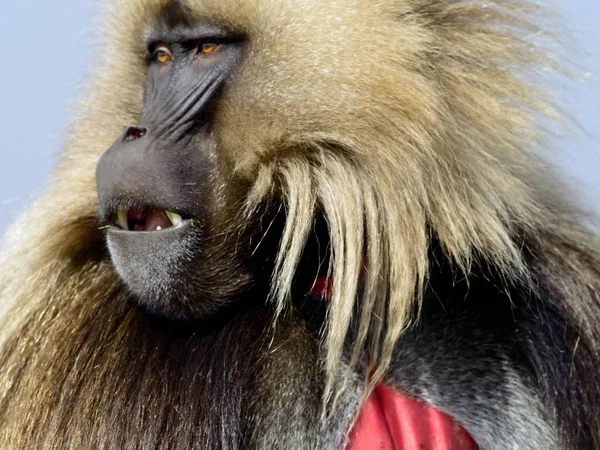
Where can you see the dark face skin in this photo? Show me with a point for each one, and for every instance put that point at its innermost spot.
(160, 188)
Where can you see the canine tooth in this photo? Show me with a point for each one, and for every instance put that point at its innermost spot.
(159, 228)
(122, 218)
(175, 218)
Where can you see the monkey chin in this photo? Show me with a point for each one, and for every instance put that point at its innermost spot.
(148, 263)
(169, 273)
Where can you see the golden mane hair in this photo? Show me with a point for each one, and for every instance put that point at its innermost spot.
(406, 122)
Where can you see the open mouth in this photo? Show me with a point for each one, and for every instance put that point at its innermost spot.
(152, 250)
(140, 218)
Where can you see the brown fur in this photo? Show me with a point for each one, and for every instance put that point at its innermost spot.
(398, 120)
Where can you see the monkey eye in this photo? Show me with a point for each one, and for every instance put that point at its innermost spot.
(161, 55)
(208, 48)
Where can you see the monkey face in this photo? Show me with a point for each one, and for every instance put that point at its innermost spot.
(238, 112)
(274, 101)
(160, 188)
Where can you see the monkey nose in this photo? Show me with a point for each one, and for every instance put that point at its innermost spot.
(134, 133)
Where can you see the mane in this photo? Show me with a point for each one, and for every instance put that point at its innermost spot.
(450, 151)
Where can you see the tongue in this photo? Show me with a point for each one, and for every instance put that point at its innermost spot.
(155, 219)
(145, 219)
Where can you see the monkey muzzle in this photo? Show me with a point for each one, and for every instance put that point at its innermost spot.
(151, 185)
(154, 193)
(159, 189)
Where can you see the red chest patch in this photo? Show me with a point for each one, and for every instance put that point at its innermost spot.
(392, 421)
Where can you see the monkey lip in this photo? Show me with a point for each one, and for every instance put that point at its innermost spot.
(148, 219)
(152, 263)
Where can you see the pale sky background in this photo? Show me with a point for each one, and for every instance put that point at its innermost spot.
(47, 47)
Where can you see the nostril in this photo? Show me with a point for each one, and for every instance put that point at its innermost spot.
(134, 133)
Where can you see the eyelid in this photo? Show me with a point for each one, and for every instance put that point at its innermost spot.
(214, 45)
(156, 48)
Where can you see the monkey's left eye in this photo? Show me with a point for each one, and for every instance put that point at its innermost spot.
(208, 48)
